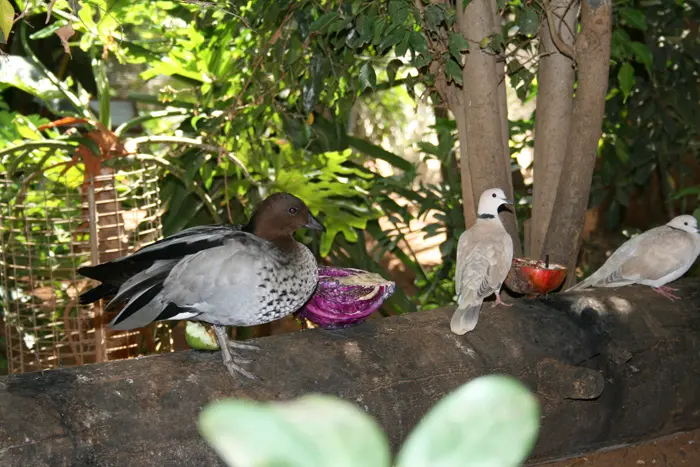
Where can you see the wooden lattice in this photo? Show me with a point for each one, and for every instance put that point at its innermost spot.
(48, 229)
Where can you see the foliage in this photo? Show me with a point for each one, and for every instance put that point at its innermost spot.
(492, 420)
(260, 96)
(651, 128)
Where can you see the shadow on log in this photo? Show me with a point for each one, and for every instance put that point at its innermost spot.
(610, 367)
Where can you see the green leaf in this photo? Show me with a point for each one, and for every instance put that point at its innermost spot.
(7, 17)
(453, 71)
(456, 45)
(392, 39)
(528, 21)
(392, 68)
(465, 3)
(634, 18)
(433, 16)
(323, 21)
(626, 79)
(312, 431)
(380, 153)
(398, 11)
(643, 55)
(19, 72)
(621, 45)
(48, 30)
(417, 42)
(422, 60)
(402, 47)
(368, 78)
(493, 420)
(622, 151)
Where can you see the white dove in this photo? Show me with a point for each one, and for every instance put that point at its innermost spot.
(654, 258)
(484, 256)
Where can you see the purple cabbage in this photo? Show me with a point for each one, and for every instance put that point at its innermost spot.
(345, 297)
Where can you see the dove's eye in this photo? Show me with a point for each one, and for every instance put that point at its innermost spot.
(685, 223)
(292, 210)
(494, 195)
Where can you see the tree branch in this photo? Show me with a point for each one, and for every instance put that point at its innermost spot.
(559, 43)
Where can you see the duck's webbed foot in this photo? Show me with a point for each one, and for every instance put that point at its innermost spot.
(229, 352)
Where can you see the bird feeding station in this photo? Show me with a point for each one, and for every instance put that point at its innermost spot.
(51, 223)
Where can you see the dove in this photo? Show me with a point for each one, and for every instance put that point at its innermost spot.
(654, 258)
(484, 257)
(225, 275)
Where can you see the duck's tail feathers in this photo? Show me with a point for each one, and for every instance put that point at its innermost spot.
(97, 293)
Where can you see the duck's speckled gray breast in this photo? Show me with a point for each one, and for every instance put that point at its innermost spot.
(285, 284)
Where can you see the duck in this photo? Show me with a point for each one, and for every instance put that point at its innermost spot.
(222, 274)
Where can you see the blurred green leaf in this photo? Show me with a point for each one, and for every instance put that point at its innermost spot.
(7, 16)
(456, 45)
(453, 71)
(323, 21)
(311, 431)
(368, 78)
(643, 55)
(19, 72)
(634, 17)
(492, 420)
(528, 21)
(433, 16)
(626, 79)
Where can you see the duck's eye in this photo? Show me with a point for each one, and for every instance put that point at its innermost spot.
(494, 195)
(292, 210)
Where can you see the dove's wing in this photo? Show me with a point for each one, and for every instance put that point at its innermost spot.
(661, 258)
(484, 258)
(647, 257)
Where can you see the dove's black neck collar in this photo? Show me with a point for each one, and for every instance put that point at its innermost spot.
(486, 216)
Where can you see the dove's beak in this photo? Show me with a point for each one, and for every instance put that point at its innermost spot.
(314, 224)
(507, 201)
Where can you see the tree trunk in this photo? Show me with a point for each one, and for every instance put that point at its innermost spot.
(612, 366)
(592, 53)
(552, 120)
(513, 229)
(481, 109)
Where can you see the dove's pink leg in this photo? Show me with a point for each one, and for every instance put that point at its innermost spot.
(666, 292)
(668, 289)
(498, 299)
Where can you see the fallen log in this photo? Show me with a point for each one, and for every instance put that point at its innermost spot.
(609, 366)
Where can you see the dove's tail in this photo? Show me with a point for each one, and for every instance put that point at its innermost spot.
(580, 286)
(465, 318)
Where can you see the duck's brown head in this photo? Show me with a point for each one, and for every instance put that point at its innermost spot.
(279, 216)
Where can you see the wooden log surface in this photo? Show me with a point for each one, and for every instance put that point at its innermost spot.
(610, 366)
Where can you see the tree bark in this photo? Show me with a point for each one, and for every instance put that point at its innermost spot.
(482, 131)
(613, 366)
(552, 120)
(500, 63)
(592, 53)
(481, 109)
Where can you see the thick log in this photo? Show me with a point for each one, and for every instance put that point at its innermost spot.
(610, 367)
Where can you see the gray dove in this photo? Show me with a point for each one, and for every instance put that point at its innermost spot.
(225, 275)
(654, 258)
(484, 257)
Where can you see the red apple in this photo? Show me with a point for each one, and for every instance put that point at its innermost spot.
(532, 277)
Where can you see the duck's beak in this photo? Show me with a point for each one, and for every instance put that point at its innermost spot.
(314, 224)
